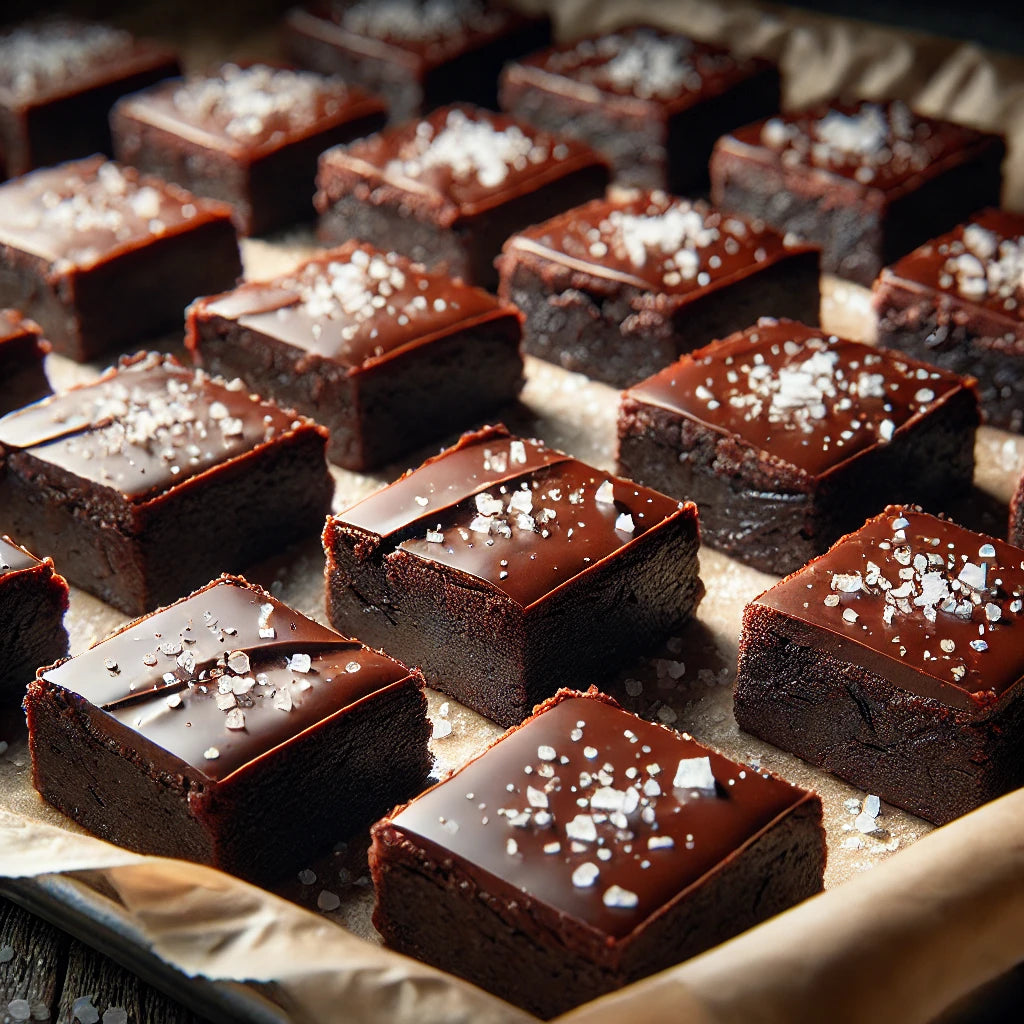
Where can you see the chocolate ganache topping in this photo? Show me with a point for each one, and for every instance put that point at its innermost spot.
(654, 241)
(512, 513)
(355, 306)
(596, 813)
(811, 399)
(144, 427)
(223, 677)
(934, 608)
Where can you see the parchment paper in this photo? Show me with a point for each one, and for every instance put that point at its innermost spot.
(964, 882)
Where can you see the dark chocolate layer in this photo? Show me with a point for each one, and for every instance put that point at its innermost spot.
(597, 813)
(220, 679)
(932, 607)
(811, 399)
(144, 427)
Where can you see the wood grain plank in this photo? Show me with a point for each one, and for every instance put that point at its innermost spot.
(33, 958)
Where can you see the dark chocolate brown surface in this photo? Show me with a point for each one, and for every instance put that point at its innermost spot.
(13, 557)
(356, 306)
(879, 145)
(145, 427)
(513, 513)
(654, 241)
(248, 111)
(460, 160)
(932, 607)
(86, 212)
(804, 396)
(597, 813)
(977, 264)
(637, 63)
(223, 677)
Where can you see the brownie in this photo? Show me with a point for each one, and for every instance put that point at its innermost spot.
(957, 302)
(147, 481)
(228, 729)
(504, 569)
(33, 600)
(59, 78)
(618, 288)
(22, 361)
(418, 54)
(384, 354)
(652, 102)
(448, 190)
(787, 438)
(250, 136)
(868, 182)
(1016, 532)
(895, 662)
(586, 849)
(102, 257)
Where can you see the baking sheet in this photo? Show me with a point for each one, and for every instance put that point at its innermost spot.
(686, 684)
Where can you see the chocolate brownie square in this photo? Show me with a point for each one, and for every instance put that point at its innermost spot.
(227, 729)
(652, 102)
(957, 301)
(22, 361)
(868, 182)
(418, 54)
(59, 78)
(504, 569)
(447, 190)
(33, 600)
(587, 849)
(384, 354)
(146, 481)
(102, 257)
(250, 136)
(894, 661)
(620, 287)
(787, 438)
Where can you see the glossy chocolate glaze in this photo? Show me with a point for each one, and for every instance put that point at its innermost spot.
(354, 305)
(980, 263)
(879, 145)
(637, 63)
(460, 160)
(250, 110)
(585, 783)
(221, 678)
(809, 398)
(145, 426)
(414, 32)
(54, 57)
(13, 557)
(932, 607)
(85, 212)
(512, 513)
(655, 241)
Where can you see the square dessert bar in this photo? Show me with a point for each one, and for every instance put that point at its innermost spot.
(504, 569)
(895, 661)
(59, 78)
(587, 849)
(22, 361)
(148, 480)
(867, 182)
(958, 301)
(417, 54)
(101, 257)
(619, 288)
(228, 729)
(787, 438)
(448, 190)
(33, 600)
(250, 136)
(652, 102)
(382, 353)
